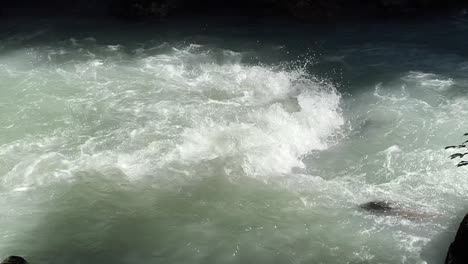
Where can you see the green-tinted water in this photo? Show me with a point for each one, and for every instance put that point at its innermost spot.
(133, 143)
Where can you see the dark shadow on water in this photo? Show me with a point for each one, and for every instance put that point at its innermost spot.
(99, 220)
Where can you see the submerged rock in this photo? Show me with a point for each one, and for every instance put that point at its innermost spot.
(387, 208)
(458, 250)
(378, 206)
(14, 260)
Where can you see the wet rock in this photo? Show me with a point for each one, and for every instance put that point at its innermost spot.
(378, 207)
(14, 260)
(386, 208)
(458, 250)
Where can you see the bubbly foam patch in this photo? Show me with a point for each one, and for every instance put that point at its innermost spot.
(430, 80)
(273, 135)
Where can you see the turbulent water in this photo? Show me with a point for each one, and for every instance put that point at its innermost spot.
(233, 143)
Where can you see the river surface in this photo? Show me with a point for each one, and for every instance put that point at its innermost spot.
(237, 142)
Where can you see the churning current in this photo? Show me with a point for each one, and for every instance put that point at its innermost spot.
(230, 143)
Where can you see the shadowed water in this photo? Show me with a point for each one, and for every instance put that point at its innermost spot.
(230, 143)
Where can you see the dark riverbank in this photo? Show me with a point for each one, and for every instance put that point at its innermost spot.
(307, 10)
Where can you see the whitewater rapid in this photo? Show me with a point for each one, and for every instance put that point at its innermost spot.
(175, 109)
(173, 151)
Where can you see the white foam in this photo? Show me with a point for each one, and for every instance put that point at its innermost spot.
(195, 105)
(269, 139)
(430, 80)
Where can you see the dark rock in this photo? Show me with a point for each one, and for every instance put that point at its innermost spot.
(14, 260)
(386, 208)
(458, 250)
(378, 207)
